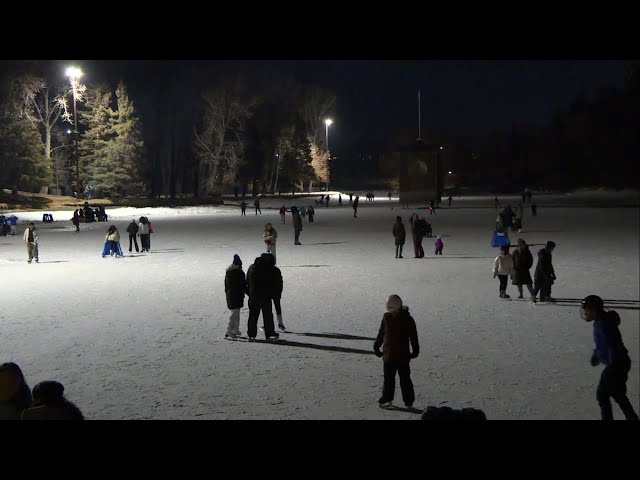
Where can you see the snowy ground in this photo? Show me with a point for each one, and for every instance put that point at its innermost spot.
(142, 337)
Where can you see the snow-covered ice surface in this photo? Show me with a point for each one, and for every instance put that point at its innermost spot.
(142, 337)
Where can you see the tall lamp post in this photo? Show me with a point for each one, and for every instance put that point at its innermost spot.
(327, 124)
(74, 73)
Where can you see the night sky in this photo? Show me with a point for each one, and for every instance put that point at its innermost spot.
(379, 98)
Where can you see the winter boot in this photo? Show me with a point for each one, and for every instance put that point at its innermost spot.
(280, 324)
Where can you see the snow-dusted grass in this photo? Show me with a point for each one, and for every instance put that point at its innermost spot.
(142, 336)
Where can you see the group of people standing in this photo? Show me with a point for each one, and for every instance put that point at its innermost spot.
(420, 228)
(112, 239)
(263, 285)
(518, 264)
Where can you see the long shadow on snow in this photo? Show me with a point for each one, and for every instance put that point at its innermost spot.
(330, 348)
(339, 336)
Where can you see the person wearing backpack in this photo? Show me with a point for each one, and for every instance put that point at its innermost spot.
(610, 352)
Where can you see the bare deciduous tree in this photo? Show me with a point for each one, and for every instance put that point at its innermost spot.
(219, 140)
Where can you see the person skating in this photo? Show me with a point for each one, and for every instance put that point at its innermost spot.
(311, 212)
(326, 201)
(397, 331)
(258, 289)
(522, 262)
(112, 243)
(439, 245)
(534, 210)
(297, 226)
(355, 207)
(303, 212)
(339, 199)
(31, 239)
(399, 234)
(275, 286)
(270, 236)
(256, 205)
(132, 230)
(544, 275)
(502, 268)
(610, 352)
(243, 209)
(235, 287)
(283, 213)
(450, 200)
(350, 198)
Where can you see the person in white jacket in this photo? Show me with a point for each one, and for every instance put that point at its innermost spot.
(502, 268)
(113, 237)
(31, 239)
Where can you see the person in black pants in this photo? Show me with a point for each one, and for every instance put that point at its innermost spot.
(243, 209)
(132, 230)
(611, 352)
(275, 286)
(258, 288)
(256, 204)
(544, 275)
(534, 210)
(397, 331)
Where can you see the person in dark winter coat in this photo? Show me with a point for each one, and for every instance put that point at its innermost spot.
(356, 203)
(235, 287)
(256, 205)
(522, 262)
(297, 226)
(76, 220)
(399, 234)
(534, 210)
(544, 275)
(418, 231)
(610, 352)
(259, 290)
(275, 285)
(243, 209)
(311, 212)
(132, 230)
(397, 331)
(49, 403)
(15, 394)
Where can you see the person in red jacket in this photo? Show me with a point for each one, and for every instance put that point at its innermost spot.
(397, 330)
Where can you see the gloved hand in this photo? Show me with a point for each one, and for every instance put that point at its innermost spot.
(595, 361)
(378, 352)
(413, 355)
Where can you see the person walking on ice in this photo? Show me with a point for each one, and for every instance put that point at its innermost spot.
(243, 209)
(610, 352)
(397, 331)
(522, 262)
(31, 239)
(256, 205)
(283, 213)
(235, 288)
(502, 268)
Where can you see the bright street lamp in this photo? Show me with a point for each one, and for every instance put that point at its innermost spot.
(327, 123)
(74, 73)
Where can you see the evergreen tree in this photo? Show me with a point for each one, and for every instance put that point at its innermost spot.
(96, 144)
(22, 160)
(128, 147)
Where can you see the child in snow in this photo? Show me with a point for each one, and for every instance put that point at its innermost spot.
(611, 352)
(397, 330)
(502, 268)
(439, 245)
(270, 236)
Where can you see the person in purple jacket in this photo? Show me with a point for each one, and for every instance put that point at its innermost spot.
(439, 245)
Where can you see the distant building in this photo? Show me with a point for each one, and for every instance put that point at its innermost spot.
(420, 170)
